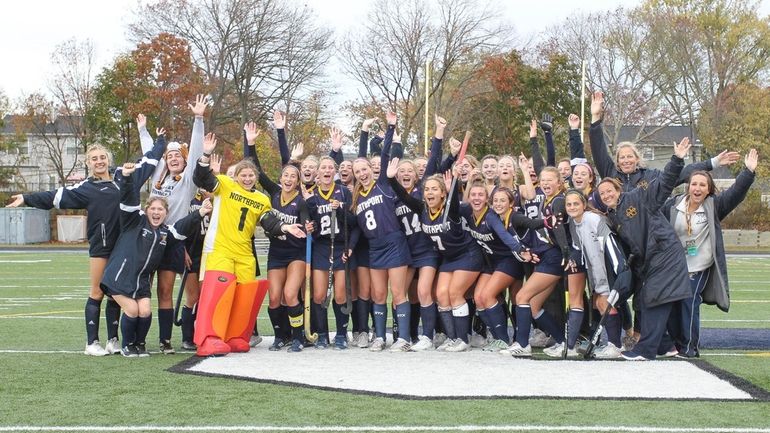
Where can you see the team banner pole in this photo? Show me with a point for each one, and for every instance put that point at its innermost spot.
(427, 105)
(460, 157)
(582, 99)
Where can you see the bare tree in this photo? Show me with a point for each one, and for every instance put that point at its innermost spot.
(613, 46)
(72, 86)
(386, 56)
(255, 53)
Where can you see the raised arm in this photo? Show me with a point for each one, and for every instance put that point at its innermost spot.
(363, 141)
(416, 205)
(602, 160)
(454, 149)
(388, 142)
(730, 198)
(336, 148)
(130, 214)
(145, 139)
(527, 189)
(660, 188)
(196, 140)
(546, 124)
(203, 177)
(537, 157)
(279, 122)
(577, 153)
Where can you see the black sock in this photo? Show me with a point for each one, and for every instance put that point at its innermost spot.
(394, 326)
(428, 316)
(341, 319)
(128, 329)
(447, 321)
(165, 323)
(188, 324)
(497, 322)
(523, 322)
(414, 321)
(318, 316)
(547, 324)
(380, 319)
(296, 320)
(112, 317)
(93, 308)
(612, 325)
(275, 320)
(354, 316)
(462, 322)
(363, 314)
(142, 328)
(284, 321)
(403, 312)
(575, 319)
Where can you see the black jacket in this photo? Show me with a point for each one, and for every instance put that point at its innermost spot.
(101, 199)
(659, 258)
(139, 249)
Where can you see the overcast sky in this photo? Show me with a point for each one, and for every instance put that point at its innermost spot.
(31, 29)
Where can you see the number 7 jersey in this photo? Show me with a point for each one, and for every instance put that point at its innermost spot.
(234, 218)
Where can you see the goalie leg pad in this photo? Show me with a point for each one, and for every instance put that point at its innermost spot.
(216, 299)
(243, 315)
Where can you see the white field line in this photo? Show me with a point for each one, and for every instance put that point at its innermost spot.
(736, 320)
(25, 261)
(387, 428)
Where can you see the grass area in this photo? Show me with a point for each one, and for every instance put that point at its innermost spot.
(41, 308)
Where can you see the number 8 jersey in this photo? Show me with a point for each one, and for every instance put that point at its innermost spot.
(234, 218)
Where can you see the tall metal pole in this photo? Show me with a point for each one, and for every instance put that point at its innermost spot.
(582, 100)
(427, 105)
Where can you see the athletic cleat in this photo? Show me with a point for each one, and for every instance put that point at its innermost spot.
(95, 349)
(401, 345)
(141, 350)
(238, 345)
(377, 345)
(340, 342)
(423, 344)
(517, 351)
(608, 351)
(296, 346)
(254, 340)
(129, 351)
(557, 350)
(165, 348)
(362, 341)
(439, 339)
(448, 342)
(113, 346)
(477, 340)
(458, 346)
(630, 355)
(354, 338)
(495, 346)
(278, 344)
(189, 346)
(539, 339)
(212, 346)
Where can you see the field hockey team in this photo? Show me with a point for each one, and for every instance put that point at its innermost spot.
(458, 246)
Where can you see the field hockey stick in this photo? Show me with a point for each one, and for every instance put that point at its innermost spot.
(348, 307)
(612, 298)
(460, 157)
(564, 349)
(330, 283)
(177, 308)
(308, 295)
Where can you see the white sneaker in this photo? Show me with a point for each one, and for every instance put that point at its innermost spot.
(254, 340)
(557, 350)
(495, 346)
(95, 349)
(401, 345)
(540, 339)
(610, 351)
(377, 345)
(439, 339)
(458, 346)
(423, 343)
(113, 346)
(517, 351)
(362, 341)
(477, 340)
(448, 342)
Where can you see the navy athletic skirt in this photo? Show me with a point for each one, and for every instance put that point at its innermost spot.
(361, 253)
(471, 260)
(507, 265)
(321, 253)
(550, 262)
(279, 258)
(173, 258)
(390, 251)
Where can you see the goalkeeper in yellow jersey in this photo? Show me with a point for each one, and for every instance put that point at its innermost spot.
(230, 296)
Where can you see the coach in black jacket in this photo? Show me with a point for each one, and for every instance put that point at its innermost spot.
(658, 255)
(137, 254)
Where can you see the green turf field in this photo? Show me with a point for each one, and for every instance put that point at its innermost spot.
(46, 381)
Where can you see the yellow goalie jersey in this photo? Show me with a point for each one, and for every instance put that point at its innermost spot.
(234, 218)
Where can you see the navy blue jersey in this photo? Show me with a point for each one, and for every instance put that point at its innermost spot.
(320, 210)
(451, 238)
(495, 237)
(376, 210)
(293, 211)
(418, 242)
(543, 239)
(194, 243)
